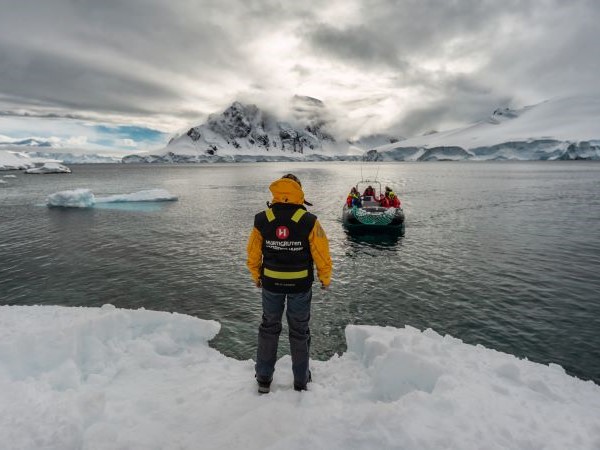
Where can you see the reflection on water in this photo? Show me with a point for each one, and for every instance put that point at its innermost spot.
(384, 241)
(506, 255)
(132, 206)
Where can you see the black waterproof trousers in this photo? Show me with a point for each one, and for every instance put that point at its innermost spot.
(298, 317)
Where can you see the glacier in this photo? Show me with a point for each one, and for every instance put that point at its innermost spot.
(558, 129)
(104, 378)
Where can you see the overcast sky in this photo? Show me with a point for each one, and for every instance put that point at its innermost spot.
(405, 66)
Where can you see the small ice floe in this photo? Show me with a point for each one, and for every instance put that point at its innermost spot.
(10, 176)
(49, 167)
(84, 198)
(78, 198)
(3, 182)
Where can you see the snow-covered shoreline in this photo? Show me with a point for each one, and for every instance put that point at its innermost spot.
(532, 150)
(558, 129)
(114, 378)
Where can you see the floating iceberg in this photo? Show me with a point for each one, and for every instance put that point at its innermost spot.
(49, 167)
(78, 198)
(10, 176)
(115, 378)
(84, 198)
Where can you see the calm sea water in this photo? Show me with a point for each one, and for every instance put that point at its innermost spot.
(506, 255)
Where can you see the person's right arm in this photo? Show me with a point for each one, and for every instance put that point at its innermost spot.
(254, 249)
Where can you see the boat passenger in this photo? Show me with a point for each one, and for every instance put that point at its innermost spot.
(390, 199)
(369, 192)
(394, 201)
(353, 198)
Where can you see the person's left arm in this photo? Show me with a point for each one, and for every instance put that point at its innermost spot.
(319, 249)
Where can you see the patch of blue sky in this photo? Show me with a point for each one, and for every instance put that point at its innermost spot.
(83, 135)
(135, 133)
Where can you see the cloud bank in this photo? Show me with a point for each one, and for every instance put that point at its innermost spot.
(404, 66)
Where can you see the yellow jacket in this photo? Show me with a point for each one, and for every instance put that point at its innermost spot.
(286, 190)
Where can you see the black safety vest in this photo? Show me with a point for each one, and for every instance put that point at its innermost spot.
(287, 265)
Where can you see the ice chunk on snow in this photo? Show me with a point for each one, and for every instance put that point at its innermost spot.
(151, 195)
(78, 198)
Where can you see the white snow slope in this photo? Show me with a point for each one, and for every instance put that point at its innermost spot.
(14, 161)
(106, 378)
(22, 159)
(562, 128)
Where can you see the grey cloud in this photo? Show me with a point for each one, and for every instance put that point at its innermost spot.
(357, 44)
(391, 29)
(120, 57)
(448, 110)
(183, 59)
(526, 51)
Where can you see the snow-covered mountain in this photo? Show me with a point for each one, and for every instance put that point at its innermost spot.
(558, 129)
(27, 142)
(563, 128)
(39, 150)
(245, 131)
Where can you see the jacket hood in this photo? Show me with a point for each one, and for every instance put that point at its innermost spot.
(286, 190)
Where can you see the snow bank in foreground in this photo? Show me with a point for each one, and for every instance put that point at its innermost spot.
(112, 378)
(84, 198)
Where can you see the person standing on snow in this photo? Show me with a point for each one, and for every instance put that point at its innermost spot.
(285, 242)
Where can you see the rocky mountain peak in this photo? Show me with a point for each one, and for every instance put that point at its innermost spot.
(242, 126)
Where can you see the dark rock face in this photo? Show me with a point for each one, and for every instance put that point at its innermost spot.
(317, 129)
(193, 133)
(371, 155)
(235, 122)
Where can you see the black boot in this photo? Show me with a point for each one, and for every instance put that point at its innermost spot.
(264, 385)
(302, 387)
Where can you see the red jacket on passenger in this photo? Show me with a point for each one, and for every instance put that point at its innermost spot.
(388, 202)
